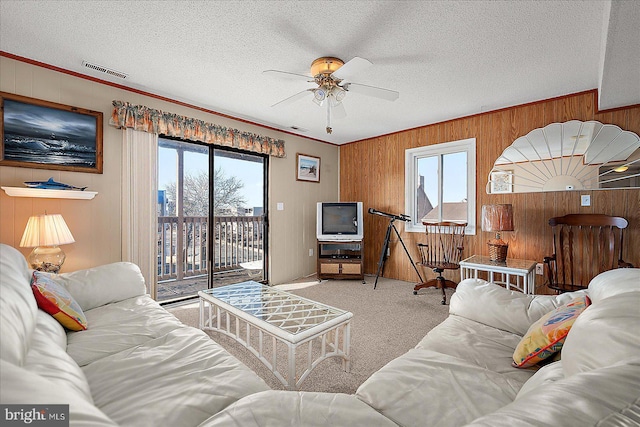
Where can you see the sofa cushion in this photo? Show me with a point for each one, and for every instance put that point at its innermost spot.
(20, 386)
(603, 397)
(97, 286)
(17, 306)
(547, 335)
(288, 408)
(476, 343)
(48, 358)
(55, 300)
(426, 388)
(179, 379)
(547, 374)
(120, 326)
(52, 329)
(604, 335)
(495, 306)
(614, 282)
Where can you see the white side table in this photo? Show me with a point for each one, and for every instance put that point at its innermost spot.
(501, 272)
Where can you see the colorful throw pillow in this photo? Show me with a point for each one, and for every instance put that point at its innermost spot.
(546, 336)
(54, 299)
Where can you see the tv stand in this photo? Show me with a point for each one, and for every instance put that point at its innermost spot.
(340, 260)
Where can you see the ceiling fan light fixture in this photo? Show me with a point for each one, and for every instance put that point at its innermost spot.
(319, 94)
(334, 100)
(325, 65)
(338, 93)
(332, 77)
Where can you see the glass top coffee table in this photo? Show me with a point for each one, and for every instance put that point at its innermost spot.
(254, 314)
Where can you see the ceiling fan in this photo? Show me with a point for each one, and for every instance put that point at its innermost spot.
(333, 79)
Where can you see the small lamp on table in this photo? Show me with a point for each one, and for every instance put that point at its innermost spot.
(497, 218)
(45, 233)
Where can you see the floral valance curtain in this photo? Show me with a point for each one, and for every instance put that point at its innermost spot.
(146, 119)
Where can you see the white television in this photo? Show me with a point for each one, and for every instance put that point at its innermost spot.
(339, 221)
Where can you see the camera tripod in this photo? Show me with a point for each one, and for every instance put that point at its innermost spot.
(385, 246)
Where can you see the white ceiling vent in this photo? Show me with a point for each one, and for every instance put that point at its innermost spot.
(105, 70)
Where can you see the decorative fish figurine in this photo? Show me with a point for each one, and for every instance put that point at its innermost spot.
(52, 185)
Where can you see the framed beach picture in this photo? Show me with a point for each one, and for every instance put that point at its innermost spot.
(502, 182)
(308, 168)
(46, 135)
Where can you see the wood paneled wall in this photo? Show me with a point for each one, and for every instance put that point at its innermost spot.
(372, 171)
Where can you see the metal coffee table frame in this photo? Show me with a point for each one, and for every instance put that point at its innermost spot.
(277, 316)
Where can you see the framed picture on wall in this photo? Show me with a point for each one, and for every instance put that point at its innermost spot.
(307, 168)
(502, 182)
(46, 135)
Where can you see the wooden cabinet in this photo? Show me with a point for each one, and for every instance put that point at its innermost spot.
(340, 260)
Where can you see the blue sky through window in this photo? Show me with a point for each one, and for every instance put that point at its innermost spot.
(454, 177)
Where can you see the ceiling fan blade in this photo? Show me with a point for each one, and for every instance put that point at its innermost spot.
(292, 98)
(376, 92)
(289, 75)
(351, 68)
(338, 111)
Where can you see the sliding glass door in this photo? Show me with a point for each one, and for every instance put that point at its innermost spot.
(211, 218)
(239, 217)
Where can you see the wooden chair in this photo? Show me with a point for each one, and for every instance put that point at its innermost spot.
(442, 251)
(584, 245)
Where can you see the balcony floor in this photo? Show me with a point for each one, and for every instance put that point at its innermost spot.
(172, 289)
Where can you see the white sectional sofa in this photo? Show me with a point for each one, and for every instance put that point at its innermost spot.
(137, 365)
(461, 374)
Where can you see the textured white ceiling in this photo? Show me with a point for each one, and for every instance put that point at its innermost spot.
(447, 59)
(620, 66)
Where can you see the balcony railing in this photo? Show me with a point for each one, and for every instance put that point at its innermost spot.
(183, 244)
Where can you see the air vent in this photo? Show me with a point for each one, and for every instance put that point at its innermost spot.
(105, 70)
(299, 129)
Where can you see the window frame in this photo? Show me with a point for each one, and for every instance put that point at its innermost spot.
(412, 180)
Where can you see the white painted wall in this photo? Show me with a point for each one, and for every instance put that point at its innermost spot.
(96, 224)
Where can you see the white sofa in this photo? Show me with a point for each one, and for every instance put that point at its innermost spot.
(461, 373)
(137, 365)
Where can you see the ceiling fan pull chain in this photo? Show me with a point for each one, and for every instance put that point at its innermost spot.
(329, 130)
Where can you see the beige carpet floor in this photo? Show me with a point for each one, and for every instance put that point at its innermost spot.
(387, 322)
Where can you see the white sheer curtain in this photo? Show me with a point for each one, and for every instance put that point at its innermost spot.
(139, 203)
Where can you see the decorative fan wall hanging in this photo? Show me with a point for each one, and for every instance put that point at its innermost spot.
(573, 155)
(332, 78)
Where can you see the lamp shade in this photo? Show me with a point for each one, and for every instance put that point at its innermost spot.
(46, 230)
(497, 217)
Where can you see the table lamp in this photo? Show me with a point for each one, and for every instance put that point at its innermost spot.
(497, 218)
(44, 233)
